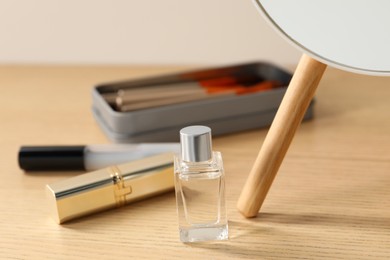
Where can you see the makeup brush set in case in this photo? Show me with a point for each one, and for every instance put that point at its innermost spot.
(227, 99)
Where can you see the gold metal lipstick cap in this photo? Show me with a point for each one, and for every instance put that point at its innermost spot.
(110, 187)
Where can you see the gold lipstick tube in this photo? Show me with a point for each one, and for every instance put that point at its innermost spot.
(110, 187)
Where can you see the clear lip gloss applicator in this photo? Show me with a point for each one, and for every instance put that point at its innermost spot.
(200, 187)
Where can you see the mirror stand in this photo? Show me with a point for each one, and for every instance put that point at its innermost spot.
(299, 94)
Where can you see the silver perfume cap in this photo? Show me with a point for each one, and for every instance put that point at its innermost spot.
(196, 143)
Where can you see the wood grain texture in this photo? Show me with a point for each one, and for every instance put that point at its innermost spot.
(330, 200)
(295, 102)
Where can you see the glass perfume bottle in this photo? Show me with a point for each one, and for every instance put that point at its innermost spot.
(200, 187)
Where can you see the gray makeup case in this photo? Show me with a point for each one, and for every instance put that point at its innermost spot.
(223, 115)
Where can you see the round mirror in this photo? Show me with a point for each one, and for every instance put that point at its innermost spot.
(350, 34)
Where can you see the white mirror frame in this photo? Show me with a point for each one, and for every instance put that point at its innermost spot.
(352, 35)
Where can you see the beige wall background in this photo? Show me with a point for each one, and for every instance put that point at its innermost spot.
(138, 32)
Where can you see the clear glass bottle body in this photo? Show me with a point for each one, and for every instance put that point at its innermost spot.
(200, 198)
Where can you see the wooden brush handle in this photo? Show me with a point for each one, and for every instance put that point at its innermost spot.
(291, 111)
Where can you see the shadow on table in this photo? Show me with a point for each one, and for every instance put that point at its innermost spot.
(268, 232)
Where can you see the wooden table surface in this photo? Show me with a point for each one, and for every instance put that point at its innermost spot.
(330, 200)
